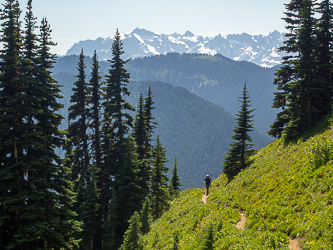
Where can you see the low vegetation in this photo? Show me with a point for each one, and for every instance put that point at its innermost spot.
(286, 193)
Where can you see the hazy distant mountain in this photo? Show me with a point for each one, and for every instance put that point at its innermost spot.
(261, 50)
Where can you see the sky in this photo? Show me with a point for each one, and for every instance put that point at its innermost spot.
(77, 20)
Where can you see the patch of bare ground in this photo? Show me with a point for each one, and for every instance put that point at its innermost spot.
(204, 199)
(241, 224)
(294, 244)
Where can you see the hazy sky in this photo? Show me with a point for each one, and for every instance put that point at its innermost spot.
(76, 20)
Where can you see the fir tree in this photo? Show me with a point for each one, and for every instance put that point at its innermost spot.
(89, 214)
(175, 180)
(60, 196)
(145, 216)
(323, 55)
(109, 237)
(36, 197)
(159, 180)
(209, 238)
(301, 91)
(129, 195)
(94, 103)
(149, 121)
(77, 134)
(132, 235)
(12, 172)
(176, 241)
(237, 155)
(117, 120)
(140, 135)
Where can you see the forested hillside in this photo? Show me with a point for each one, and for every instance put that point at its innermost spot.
(215, 78)
(285, 194)
(194, 130)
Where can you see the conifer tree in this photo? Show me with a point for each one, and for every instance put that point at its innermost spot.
(209, 238)
(175, 180)
(132, 235)
(129, 195)
(109, 237)
(117, 120)
(117, 123)
(36, 197)
(140, 135)
(149, 121)
(77, 132)
(29, 63)
(323, 53)
(89, 214)
(94, 116)
(145, 216)
(59, 196)
(302, 93)
(176, 241)
(237, 155)
(11, 125)
(159, 180)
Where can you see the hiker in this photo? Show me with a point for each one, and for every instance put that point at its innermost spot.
(207, 182)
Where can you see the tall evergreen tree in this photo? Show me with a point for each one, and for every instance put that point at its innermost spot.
(89, 214)
(36, 198)
(145, 216)
(11, 125)
(59, 197)
(117, 123)
(129, 195)
(149, 121)
(323, 53)
(175, 180)
(109, 237)
(132, 235)
(117, 120)
(94, 103)
(209, 238)
(159, 180)
(302, 94)
(237, 155)
(140, 135)
(78, 138)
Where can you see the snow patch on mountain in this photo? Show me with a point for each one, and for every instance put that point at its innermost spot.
(259, 49)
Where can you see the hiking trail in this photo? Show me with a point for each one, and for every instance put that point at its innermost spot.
(241, 224)
(293, 243)
(204, 199)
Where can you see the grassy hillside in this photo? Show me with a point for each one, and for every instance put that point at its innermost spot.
(286, 192)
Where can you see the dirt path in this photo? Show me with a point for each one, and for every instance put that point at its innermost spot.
(241, 224)
(294, 244)
(204, 199)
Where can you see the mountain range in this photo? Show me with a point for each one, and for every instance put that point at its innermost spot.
(259, 49)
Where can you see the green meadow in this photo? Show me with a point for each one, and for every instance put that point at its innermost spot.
(286, 193)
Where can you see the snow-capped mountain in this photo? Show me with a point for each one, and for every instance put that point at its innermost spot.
(259, 49)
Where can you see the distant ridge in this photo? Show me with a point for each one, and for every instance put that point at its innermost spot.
(261, 50)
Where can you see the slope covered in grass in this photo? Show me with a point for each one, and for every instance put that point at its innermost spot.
(286, 192)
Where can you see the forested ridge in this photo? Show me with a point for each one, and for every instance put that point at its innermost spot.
(180, 115)
(214, 78)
